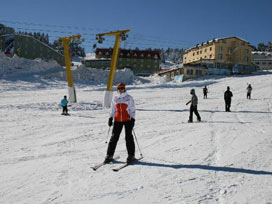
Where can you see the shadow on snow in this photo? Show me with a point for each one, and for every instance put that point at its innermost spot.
(205, 167)
(187, 110)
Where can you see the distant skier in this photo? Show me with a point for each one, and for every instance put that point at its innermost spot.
(193, 108)
(123, 112)
(64, 104)
(227, 97)
(205, 92)
(249, 89)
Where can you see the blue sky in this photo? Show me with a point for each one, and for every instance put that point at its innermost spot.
(153, 23)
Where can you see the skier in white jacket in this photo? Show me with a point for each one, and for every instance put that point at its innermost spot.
(123, 112)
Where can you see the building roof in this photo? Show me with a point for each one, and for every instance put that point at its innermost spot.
(269, 54)
(139, 54)
(215, 40)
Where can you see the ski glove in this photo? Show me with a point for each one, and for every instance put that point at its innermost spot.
(132, 122)
(110, 122)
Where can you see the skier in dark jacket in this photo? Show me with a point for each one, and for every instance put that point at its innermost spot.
(227, 97)
(249, 89)
(205, 92)
(64, 103)
(193, 108)
(123, 112)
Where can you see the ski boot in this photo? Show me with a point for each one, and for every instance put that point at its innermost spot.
(130, 158)
(108, 159)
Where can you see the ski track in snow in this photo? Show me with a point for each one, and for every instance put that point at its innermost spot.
(46, 157)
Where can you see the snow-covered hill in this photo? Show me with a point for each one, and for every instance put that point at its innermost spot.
(46, 157)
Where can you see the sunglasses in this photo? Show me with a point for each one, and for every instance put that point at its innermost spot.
(121, 88)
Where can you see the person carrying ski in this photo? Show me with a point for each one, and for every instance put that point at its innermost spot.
(123, 112)
(64, 103)
(249, 89)
(227, 97)
(205, 92)
(193, 108)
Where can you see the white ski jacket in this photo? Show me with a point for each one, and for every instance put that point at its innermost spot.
(122, 108)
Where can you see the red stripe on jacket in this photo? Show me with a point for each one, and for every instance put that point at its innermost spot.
(121, 114)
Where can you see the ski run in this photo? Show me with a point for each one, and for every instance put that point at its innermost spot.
(47, 158)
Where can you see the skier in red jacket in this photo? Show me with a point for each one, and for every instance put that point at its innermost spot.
(123, 112)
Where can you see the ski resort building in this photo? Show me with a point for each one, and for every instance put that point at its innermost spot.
(263, 60)
(222, 53)
(141, 62)
(189, 71)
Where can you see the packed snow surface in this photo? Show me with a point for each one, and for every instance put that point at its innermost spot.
(47, 158)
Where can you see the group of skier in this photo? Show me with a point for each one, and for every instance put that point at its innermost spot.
(227, 97)
(123, 115)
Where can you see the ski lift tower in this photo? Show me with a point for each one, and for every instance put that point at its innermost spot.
(119, 35)
(71, 88)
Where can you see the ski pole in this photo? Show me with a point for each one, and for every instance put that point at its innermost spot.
(137, 143)
(108, 135)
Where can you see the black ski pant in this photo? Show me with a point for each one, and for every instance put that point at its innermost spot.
(117, 129)
(248, 95)
(227, 105)
(193, 109)
(64, 109)
(205, 95)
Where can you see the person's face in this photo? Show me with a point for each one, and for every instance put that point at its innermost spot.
(121, 90)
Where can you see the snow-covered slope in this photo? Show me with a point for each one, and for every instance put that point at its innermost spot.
(46, 157)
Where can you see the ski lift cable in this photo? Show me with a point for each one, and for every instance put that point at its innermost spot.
(133, 35)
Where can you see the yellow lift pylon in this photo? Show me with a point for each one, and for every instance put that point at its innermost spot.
(71, 88)
(118, 36)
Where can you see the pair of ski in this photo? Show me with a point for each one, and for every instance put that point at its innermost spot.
(119, 167)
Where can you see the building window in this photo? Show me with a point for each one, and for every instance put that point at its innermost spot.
(229, 57)
(224, 41)
(246, 51)
(200, 51)
(220, 48)
(189, 71)
(198, 72)
(257, 62)
(242, 43)
(193, 54)
(197, 52)
(264, 63)
(205, 50)
(246, 59)
(210, 56)
(210, 48)
(233, 43)
(220, 56)
(229, 49)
